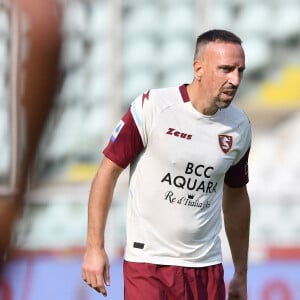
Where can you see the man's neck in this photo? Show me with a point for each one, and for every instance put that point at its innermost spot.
(198, 100)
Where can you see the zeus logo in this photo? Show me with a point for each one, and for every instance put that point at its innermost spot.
(183, 135)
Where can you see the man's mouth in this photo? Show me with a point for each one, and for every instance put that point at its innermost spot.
(229, 92)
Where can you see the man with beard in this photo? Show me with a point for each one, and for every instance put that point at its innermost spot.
(172, 138)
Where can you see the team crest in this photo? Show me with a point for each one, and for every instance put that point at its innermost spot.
(225, 142)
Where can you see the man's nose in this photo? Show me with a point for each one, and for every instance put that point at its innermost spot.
(235, 77)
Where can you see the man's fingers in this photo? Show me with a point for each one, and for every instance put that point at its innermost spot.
(106, 275)
(93, 282)
(96, 282)
(100, 285)
(83, 276)
(99, 288)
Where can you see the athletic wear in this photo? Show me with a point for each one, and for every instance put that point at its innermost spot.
(179, 160)
(148, 282)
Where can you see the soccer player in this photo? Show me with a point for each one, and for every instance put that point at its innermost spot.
(188, 149)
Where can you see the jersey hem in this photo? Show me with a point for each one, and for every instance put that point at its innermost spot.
(172, 262)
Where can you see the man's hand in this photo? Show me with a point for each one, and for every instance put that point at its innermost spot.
(95, 270)
(95, 267)
(238, 288)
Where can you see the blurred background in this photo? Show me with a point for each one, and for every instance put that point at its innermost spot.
(69, 69)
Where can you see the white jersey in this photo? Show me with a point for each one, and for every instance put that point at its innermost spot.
(179, 159)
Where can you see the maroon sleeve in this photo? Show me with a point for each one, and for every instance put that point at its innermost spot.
(124, 147)
(237, 175)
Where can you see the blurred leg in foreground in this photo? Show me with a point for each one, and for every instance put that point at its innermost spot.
(34, 76)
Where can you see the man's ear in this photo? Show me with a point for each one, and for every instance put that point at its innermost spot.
(198, 69)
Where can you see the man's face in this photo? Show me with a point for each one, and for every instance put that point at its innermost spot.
(222, 71)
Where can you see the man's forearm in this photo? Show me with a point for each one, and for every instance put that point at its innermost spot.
(95, 266)
(97, 214)
(236, 209)
(100, 201)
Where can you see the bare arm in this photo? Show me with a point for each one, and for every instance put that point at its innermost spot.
(95, 267)
(236, 209)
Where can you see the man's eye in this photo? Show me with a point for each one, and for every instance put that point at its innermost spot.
(226, 69)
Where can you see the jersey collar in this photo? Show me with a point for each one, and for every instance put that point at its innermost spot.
(184, 93)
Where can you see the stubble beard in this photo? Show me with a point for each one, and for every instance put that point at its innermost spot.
(221, 104)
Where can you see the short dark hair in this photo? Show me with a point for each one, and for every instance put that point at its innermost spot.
(216, 35)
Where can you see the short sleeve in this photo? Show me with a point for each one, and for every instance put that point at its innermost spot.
(238, 175)
(125, 142)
